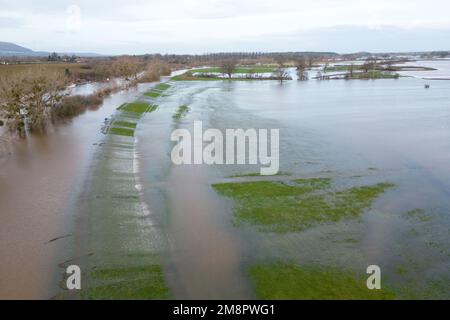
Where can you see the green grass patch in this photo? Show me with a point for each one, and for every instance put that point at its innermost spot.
(340, 68)
(243, 70)
(162, 87)
(152, 108)
(121, 131)
(289, 281)
(181, 112)
(152, 94)
(374, 74)
(303, 203)
(189, 77)
(135, 107)
(126, 124)
(142, 282)
(158, 90)
(257, 174)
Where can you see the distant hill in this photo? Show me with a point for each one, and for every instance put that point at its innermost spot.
(8, 49)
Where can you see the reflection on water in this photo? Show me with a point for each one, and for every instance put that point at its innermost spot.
(357, 132)
(36, 183)
(86, 89)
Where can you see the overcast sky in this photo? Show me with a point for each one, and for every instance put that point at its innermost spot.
(198, 26)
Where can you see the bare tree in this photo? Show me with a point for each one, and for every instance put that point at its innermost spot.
(228, 66)
(155, 69)
(28, 97)
(319, 75)
(310, 61)
(369, 64)
(302, 65)
(351, 69)
(281, 73)
(126, 67)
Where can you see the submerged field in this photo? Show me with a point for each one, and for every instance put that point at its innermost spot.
(339, 203)
(351, 192)
(297, 204)
(118, 247)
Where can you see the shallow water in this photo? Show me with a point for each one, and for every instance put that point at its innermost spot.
(39, 180)
(356, 132)
(442, 69)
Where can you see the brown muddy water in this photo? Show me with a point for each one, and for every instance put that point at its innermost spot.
(38, 182)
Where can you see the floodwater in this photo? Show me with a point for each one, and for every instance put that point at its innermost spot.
(38, 182)
(91, 87)
(356, 132)
(442, 71)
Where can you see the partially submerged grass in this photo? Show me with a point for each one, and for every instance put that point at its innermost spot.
(162, 86)
(238, 70)
(418, 214)
(257, 174)
(181, 112)
(289, 281)
(374, 74)
(188, 76)
(125, 124)
(158, 90)
(135, 107)
(303, 203)
(121, 131)
(153, 94)
(140, 282)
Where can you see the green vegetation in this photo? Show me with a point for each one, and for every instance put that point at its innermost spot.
(373, 74)
(142, 282)
(303, 203)
(158, 90)
(337, 68)
(255, 69)
(362, 72)
(136, 107)
(401, 270)
(162, 86)
(289, 281)
(125, 124)
(153, 94)
(418, 214)
(257, 174)
(121, 131)
(181, 112)
(124, 265)
(188, 76)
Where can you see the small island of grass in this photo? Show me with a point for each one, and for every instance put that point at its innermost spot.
(288, 281)
(297, 204)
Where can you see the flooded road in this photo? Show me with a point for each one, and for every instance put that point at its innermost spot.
(38, 182)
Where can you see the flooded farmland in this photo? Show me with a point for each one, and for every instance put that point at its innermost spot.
(364, 180)
(41, 180)
(355, 133)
